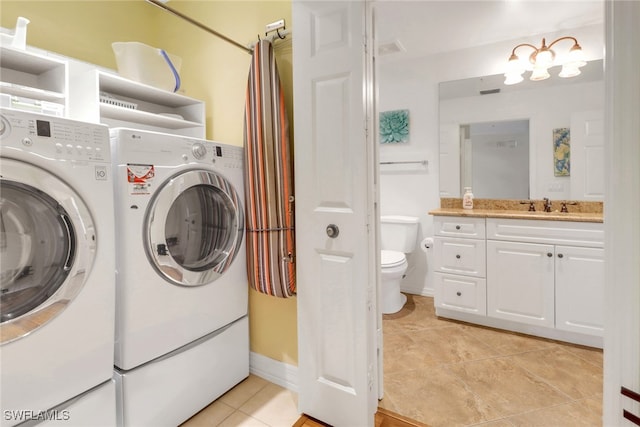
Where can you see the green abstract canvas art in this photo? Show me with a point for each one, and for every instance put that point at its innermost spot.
(394, 126)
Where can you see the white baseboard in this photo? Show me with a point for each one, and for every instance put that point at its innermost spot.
(274, 371)
(417, 291)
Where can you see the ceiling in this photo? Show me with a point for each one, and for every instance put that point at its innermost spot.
(424, 27)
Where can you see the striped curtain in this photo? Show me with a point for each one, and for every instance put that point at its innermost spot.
(268, 180)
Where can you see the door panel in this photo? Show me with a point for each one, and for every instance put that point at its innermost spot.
(194, 227)
(587, 155)
(337, 265)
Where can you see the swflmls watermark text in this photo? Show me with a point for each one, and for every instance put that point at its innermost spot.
(23, 415)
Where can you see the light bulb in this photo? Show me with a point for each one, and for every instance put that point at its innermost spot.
(514, 66)
(512, 78)
(544, 58)
(568, 70)
(539, 73)
(576, 57)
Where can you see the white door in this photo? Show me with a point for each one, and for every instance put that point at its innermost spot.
(622, 228)
(587, 155)
(337, 256)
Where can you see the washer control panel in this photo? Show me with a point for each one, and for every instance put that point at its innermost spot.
(54, 137)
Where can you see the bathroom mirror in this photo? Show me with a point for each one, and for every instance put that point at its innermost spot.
(494, 159)
(514, 125)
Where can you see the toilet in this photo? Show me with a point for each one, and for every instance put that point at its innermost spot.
(398, 236)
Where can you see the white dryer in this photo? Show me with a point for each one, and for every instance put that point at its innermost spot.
(57, 264)
(181, 301)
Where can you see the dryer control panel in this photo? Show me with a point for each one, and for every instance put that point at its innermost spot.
(54, 137)
(228, 156)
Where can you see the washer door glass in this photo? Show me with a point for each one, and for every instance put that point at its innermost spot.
(195, 225)
(45, 253)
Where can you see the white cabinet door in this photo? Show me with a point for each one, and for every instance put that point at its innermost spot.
(580, 289)
(520, 282)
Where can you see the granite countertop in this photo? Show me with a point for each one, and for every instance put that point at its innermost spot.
(579, 211)
(519, 214)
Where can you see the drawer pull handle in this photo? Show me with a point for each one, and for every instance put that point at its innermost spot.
(459, 293)
(458, 256)
(560, 256)
(458, 227)
(549, 254)
(630, 394)
(631, 417)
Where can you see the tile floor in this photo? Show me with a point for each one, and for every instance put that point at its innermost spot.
(254, 402)
(447, 373)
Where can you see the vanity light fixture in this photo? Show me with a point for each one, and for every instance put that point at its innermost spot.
(541, 59)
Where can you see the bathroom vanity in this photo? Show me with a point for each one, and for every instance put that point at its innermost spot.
(540, 273)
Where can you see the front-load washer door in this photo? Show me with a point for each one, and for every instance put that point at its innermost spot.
(47, 245)
(193, 227)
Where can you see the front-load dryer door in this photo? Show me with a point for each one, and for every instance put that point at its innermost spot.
(47, 245)
(193, 228)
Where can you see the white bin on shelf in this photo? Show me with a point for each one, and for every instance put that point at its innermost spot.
(149, 65)
(17, 38)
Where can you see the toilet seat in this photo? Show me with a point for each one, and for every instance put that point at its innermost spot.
(389, 259)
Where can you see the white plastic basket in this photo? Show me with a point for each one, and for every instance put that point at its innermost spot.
(149, 65)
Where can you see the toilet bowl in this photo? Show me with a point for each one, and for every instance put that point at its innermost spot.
(397, 237)
(394, 265)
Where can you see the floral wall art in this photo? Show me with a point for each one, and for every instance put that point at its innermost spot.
(561, 151)
(394, 126)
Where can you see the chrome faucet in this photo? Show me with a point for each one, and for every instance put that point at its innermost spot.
(547, 204)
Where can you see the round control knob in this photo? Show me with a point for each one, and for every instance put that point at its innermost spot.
(198, 150)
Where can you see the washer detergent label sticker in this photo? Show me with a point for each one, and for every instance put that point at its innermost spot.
(140, 177)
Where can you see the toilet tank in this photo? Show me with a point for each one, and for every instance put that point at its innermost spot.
(398, 233)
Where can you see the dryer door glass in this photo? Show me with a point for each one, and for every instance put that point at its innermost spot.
(37, 246)
(195, 225)
(199, 228)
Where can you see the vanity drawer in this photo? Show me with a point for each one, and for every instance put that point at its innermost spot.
(466, 294)
(460, 256)
(457, 226)
(589, 234)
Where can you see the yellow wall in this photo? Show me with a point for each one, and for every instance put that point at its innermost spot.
(82, 29)
(212, 70)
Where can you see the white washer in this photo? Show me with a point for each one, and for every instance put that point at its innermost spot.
(57, 261)
(182, 295)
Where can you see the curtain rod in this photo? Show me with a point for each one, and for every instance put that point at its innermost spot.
(198, 24)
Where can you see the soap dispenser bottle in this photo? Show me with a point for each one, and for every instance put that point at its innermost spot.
(467, 198)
